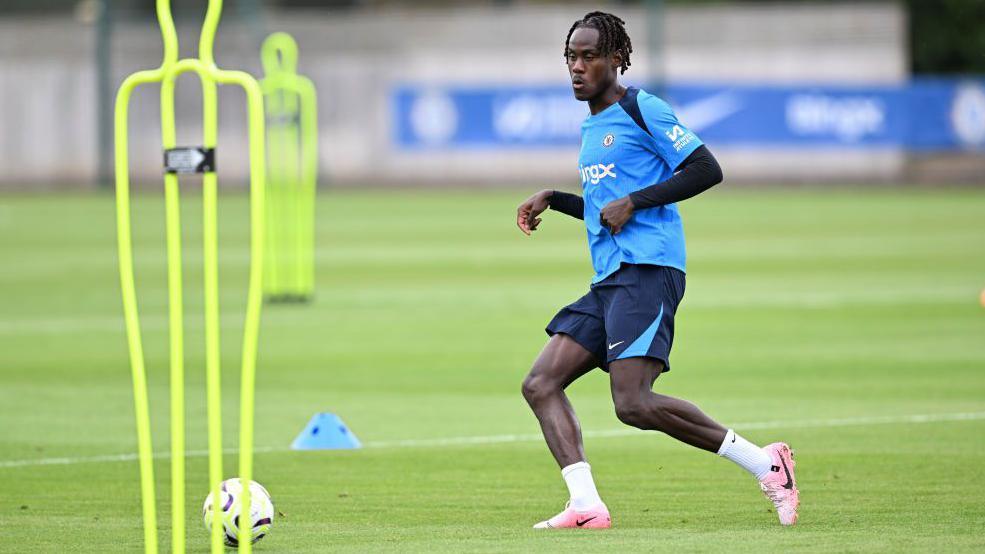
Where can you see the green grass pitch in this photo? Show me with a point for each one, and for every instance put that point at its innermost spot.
(827, 318)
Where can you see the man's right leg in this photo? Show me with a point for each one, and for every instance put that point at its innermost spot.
(561, 362)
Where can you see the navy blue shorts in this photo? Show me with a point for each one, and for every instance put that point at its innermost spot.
(628, 314)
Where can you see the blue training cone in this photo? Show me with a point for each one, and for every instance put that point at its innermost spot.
(325, 432)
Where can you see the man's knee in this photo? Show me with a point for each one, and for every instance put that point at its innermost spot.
(641, 412)
(631, 412)
(537, 388)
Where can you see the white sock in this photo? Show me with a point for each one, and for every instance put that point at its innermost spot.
(751, 457)
(581, 486)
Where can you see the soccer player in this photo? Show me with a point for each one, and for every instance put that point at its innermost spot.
(637, 160)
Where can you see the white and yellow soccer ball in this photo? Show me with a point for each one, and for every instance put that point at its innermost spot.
(229, 506)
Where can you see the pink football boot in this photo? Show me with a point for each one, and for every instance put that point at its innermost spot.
(593, 518)
(779, 484)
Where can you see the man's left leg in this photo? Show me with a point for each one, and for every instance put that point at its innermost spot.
(631, 381)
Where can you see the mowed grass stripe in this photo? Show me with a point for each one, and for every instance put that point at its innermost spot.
(499, 439)
(795, 301)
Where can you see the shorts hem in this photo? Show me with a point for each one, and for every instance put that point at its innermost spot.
(662, 359)
(551, 332)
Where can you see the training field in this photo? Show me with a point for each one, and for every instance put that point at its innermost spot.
(846, 323)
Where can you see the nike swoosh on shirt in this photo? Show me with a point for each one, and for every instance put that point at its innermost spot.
(611, 346)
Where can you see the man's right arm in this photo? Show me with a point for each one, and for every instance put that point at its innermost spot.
(567, 203)
(527, 213)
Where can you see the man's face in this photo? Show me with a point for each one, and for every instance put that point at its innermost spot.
(591, 73)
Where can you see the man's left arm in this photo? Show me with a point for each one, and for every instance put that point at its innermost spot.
(697, 173)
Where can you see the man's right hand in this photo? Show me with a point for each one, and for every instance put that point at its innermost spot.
(527, 212)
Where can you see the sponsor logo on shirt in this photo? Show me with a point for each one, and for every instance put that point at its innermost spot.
(679, 137)
(597, 172)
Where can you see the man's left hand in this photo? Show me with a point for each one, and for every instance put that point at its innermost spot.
(615, 214)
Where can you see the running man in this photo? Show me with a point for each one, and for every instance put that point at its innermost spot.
(636, 161)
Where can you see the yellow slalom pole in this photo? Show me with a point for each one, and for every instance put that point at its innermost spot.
(210, 76)
(210, 250)
(309, 181)
(127, 281)
(205, 68)
(176, 318)
(275, 201)
(292, 178)
(128, 289)
(255, 294)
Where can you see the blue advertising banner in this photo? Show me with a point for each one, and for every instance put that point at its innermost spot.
(925, 114)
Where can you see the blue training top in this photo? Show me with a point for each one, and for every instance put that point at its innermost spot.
(630, 145)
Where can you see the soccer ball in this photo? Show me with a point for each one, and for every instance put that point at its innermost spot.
(261, 510)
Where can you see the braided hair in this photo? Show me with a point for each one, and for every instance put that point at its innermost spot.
(612, 35)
